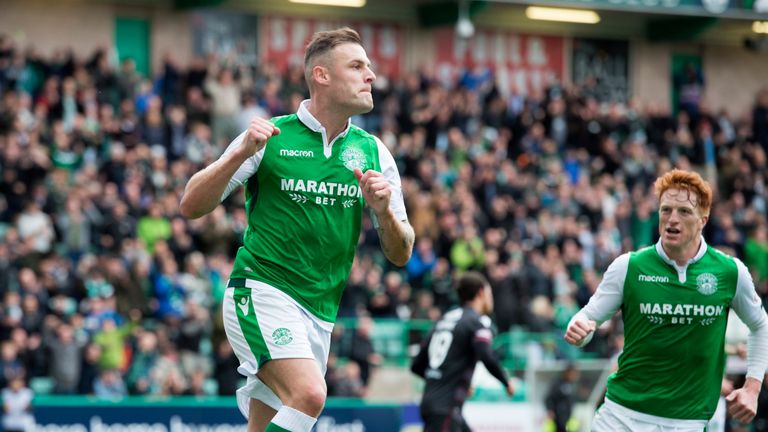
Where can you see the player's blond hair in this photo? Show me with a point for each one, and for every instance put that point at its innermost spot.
(688, 181)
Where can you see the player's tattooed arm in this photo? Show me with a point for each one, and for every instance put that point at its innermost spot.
(396, 238)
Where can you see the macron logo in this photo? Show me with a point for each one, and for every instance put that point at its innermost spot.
(243, 305)
(652, 278)
(297, 153)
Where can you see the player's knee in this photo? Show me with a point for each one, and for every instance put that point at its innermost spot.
(310, 399)
(315, 400)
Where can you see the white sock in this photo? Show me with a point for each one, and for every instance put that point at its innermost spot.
(265, 394)
(293, 420)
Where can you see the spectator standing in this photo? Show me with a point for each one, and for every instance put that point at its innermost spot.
(362, 351)
(226, 104)
(17, 406)
(59, 338)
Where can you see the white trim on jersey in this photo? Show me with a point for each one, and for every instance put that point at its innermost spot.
(246, 170)
(387, 162)
(311, 122)
(607, 298)
(745, 303)
(610, 294)
(749, 307)
(682, 269)
(389, 169)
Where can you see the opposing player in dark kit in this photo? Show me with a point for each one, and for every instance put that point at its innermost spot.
(448, 356)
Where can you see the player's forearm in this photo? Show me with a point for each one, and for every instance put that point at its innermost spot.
(419, 366)
(396, 238)
(757, 352)
(753, 385)
(491, 361)
(203, 191)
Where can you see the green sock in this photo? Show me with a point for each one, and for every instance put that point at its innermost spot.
(271, 427)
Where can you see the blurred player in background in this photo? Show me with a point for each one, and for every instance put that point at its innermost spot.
(448, 356)
(306, 176)
(674, 299)
(560, 400)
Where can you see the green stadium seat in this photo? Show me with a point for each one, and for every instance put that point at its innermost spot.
(211, 387)
(41, 385)
(389, 339)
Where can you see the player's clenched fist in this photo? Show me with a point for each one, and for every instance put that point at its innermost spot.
(375, 188)
(742, 403)
(259, 131)
(578, 330)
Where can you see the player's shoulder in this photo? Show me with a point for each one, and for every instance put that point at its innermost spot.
(284, 120)
(641, 253)
(474, 319)
(453, 315)
(358, 133)
(477, 326)
(723, 259)
(644, 255)
(485, 320)
(357, 130)
(719, 254)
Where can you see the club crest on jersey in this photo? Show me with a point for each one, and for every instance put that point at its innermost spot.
(282, 336)
(706, 283)
(353, 158)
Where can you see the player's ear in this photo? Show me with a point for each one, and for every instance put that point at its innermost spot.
(320, 75)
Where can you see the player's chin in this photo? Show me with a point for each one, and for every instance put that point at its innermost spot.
(360, 108)
(669, 240)
(366, 106)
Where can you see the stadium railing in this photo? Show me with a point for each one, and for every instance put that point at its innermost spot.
(397, 342)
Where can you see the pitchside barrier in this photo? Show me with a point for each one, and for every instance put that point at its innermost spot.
(533, 359)
(219, 414)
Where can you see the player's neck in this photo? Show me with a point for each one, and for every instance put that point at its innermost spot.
(681, 256)
(333, 121)
(476, 305)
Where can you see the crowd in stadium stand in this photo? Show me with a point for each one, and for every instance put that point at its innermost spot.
(106, 290)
